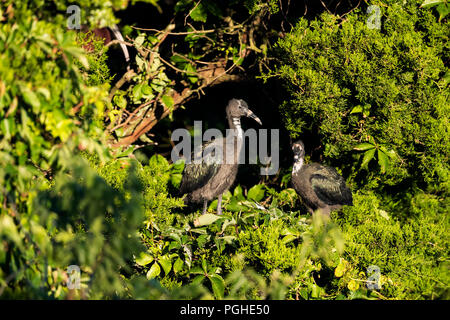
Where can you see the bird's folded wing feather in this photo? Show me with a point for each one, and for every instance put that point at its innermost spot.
(330, 187)
(196, 175)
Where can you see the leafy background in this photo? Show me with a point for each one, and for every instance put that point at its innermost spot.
(84, 143)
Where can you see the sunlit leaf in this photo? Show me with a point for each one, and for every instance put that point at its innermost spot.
(353, 285)
(364, 146)
(167, 101)
(256, 193)
(166, 264)
(206, 219)
(383, 161)
(199, 13)
(218, 285)
(154, 271)
(144, 259)
(178, 265)
(368, 155)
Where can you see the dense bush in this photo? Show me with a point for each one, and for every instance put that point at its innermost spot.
(373, 102)
(377, 100)
(378, 91)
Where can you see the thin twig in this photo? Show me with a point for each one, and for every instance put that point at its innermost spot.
(125, 78)
(131, 115)
(177, 33)
(196, 5)
(113, 42)
(323, 4)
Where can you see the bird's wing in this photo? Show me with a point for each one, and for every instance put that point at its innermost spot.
(330, 187)
(196, 175)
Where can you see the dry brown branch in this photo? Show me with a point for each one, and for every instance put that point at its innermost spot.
(213, 73)
(176, 33)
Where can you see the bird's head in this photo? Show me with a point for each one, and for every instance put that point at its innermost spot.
(238, 108)
(299, 150)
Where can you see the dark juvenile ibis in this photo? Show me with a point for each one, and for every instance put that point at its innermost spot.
(207, 180)
(320, 187)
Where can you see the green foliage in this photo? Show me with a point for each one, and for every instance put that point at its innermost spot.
(332, 68)
(154, 178)
(98, 72)
(412, 254)
(254, 6)
(378, 102)
(441, 6)
(36, 107)
(376, 98)
(80, 221)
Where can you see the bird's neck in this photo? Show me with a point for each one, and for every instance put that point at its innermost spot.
(298, 164)
(235, 124)
(232, 152)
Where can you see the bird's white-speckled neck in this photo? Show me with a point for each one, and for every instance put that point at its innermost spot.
(237, 126)
(298, 164)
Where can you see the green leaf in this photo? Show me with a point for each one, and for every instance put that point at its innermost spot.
(9, 230)
(304, 293)
(178, 166)
(30, 97)
(179, 61)
(139, 40)
(167, 101)
(204, 266)
(218, 285)
(383, 161)
(342, 267)
(368, 155)
(206, 219)
(126, 152)
(158, 161)
(120, 101)
(431, 3)
(227, 239)
(315, 291)
(154, 271)
(364, 146)
(357, 109)
(366, 110)
(199, 13)
(256, 193)
(197, 270)
(144, 259)
(238, 193)
(192, 73)
(234, 205)
(147, 90)
(198, 279)
(353, 285)
(137, 92)
(383, 213)
(175, 179)
(166, 264)
(288, 238)
(178, 265)
(446, 77)
(78, 54)
(174, 245)
(443, 10)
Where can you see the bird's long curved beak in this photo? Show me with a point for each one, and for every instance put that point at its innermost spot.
(250, 114)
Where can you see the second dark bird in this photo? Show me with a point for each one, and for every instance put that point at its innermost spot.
(320, 187)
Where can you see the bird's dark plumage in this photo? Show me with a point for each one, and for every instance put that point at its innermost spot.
(208, 179)
(196, 175)
(320, 187)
